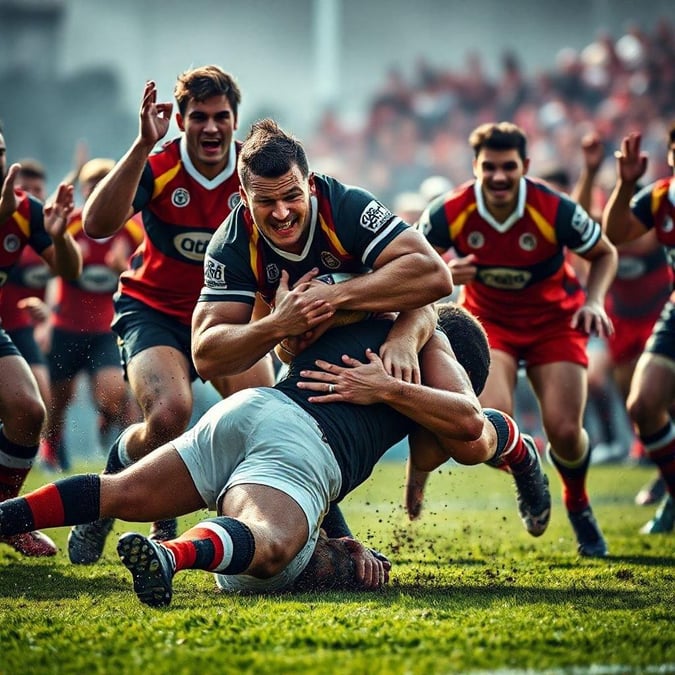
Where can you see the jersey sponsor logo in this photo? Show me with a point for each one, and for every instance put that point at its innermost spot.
(272, 273)
(11, 243)
(214, 273)
(180, 197)
(192, 245)
(375, 216)
(98, 279)
(36, 276)
(504, 277)
(527, 241)
(630, 267)
(233, 200)
(475, 240)
(582, 223)
(329, 260)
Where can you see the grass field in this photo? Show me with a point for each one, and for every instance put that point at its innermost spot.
(470, 592)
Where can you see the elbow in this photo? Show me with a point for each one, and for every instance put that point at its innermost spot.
(442, 280)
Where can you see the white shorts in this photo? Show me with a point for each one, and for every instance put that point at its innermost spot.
(260, 436)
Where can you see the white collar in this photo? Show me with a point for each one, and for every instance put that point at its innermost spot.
(516, 215)
(217, 180)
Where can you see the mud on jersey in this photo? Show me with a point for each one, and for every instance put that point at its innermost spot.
(348, 229)
(181, 210)
(522, 272)
(654, 207)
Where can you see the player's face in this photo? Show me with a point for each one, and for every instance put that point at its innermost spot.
(499, 173)
(33, 186)
(671, 156)
(280, 208)
(208, 126)
(3, 158)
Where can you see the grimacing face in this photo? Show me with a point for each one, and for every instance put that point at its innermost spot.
(208, 126)
(499, 172)
(280, 208)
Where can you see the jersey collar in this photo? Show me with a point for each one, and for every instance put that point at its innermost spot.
(217, 180)
(516, 215)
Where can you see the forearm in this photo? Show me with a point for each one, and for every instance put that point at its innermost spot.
(618, 222)
(601, 273)
(67, 257)
(414, 327)
(407, 282)
(110, 205)
(582, 193)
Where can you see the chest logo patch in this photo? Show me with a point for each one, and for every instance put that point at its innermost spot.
(475, 240)
(329, 260)
(233, 200)
(272, 273)
(180, 197)
(668, 224)
(375, 216)
(11, 243)
(527, 241)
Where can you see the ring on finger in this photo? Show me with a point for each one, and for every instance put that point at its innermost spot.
(331, 388)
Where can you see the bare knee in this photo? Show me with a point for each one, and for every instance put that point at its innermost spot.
(167, 419)
(25, 423)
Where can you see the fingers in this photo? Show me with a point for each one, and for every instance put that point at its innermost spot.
(307, 277)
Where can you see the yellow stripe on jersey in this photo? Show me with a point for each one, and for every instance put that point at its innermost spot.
(253, 252)
(74, 227)
(658, 193)
(332, 236)
(458, 223)
(161, 181)
(22, 222)
(135, 230)
(542, 224)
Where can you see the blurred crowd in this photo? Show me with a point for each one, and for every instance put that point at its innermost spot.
(417, 126)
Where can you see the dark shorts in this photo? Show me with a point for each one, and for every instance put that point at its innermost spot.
(7, 347)
(140, 327)
(662, 339)
(24, 339)
(75, 352)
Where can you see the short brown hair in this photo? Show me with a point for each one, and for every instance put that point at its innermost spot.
(200, 84)
(268, 151)
(32, 168)
(501, 136)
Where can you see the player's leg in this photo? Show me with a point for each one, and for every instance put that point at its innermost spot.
(22, 412)
(561, 390)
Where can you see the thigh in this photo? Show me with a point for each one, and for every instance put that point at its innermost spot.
(17, 385)
(561, 390)
(653, 382)
(501, 381)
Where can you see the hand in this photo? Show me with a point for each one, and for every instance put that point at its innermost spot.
(37, 309)
(296, 311)
(8, 200)
(400, 360)
(370, 567)
(155, 117)
(631, 162)
(593, 320)
(463, 269)
(413, 497)
(594, 152)
(356, 382)
(117, 256)
(57, 213)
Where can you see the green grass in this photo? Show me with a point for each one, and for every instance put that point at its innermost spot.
(470, 591)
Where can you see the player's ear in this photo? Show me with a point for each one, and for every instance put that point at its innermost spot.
(179, 121)
(474, 165)
(526, 165)
(312, 185)
(242, 194)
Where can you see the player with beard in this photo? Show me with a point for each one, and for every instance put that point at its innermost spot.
(510, 233)
(25, 222)
(183, 191)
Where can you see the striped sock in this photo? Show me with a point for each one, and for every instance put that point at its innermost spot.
(573, 478)
(69, 501)
(222, 544)
(15, 463)
(660, 449)
(511, 453)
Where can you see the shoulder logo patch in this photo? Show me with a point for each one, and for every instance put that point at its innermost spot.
(214, 273)
(375, 216)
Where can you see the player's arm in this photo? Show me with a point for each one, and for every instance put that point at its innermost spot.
(593, 154)
(618, 220)
(225, 341)
(64, 256)
(8, 200)
(110, 205)
(407, 274)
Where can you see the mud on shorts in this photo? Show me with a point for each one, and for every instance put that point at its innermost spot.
(140, 327)
(260, 436)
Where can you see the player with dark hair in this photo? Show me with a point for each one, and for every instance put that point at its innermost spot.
(510, 233)
(183, 191)
(25, 222)
(626, 217)
(272, 482)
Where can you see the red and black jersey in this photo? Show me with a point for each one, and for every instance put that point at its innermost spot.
(25, 227)
(181, 210)
(522, 273)
(654, 207)
(85, 304)
(348, 230)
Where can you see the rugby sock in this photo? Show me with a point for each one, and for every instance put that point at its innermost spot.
(660, 449)
(69, 501)
(15, 463)
(222, 545)
(511, 453)
(118, 458)
(334, 523)
(573, 478)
